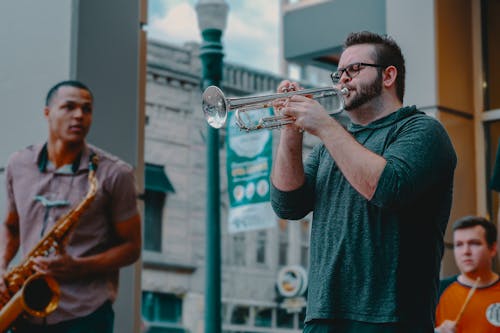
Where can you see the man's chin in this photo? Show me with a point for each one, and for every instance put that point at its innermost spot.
(467, 269)
(72, 141)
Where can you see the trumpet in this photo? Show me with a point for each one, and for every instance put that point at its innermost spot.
(216, 107)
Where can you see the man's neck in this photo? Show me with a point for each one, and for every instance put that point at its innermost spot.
(376, 109)
(486, 278)
(60, 153)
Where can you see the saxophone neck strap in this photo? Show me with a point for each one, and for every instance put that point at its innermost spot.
(43, 160)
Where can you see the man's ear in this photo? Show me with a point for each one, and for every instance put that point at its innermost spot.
(389, 76)
(46, 111)
(493, 249)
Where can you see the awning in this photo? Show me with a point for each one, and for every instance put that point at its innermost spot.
(157, 180)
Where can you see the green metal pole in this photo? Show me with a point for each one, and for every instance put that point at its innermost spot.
(211, 58)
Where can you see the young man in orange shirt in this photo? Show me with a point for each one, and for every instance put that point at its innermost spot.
(474, 240)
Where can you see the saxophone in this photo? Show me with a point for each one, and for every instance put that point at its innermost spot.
(35, 293)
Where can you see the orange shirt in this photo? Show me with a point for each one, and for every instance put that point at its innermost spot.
(481, 315)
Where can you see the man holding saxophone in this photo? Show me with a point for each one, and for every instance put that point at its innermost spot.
(44, 182)
(380, 192)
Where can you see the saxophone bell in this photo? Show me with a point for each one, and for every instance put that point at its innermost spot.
(35, 293)
(41, 295)
(38, 297)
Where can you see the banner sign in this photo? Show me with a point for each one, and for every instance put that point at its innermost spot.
(248, 165)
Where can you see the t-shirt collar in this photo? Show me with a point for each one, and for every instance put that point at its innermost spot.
(79, 163)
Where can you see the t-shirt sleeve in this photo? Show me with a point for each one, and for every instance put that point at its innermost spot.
(420, 156)
(294, 205)
(123, 194)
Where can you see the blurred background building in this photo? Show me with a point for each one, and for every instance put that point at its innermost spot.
(174, 246)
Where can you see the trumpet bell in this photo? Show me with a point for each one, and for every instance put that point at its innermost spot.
(215, 106)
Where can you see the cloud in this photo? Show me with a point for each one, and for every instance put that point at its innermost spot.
(179, 25)
(251, 37)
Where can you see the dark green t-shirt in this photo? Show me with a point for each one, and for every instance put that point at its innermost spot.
(378, 261)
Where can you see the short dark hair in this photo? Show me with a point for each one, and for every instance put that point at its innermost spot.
(68, 83)
(472, 221)
(387, 53)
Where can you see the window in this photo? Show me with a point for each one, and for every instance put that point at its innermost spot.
(153, 211)
(491, 53)
(284, 319)
(302, 318)
(304, 243)
(283, 246)
(271, 317)
(491, 120)
(161, 307)
(239, 250)
(263, 317)
(261, 247)
(157, 186)
(240, 315)
(295, 71)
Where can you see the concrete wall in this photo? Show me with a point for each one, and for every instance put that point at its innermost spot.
(97, 42)
(412, 24)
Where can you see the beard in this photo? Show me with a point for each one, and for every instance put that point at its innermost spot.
(366, 93)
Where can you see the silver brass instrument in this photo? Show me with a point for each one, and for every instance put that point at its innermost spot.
(34, 293)
(216, 107)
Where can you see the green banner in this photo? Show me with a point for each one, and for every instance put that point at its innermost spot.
(248, 165)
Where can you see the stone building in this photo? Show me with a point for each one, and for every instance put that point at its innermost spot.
(174, 260)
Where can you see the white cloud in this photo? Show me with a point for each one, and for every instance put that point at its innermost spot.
(179, 25)
(251, 37)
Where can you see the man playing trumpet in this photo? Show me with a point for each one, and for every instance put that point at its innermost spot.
(380, 192)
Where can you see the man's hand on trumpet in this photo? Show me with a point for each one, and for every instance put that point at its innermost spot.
(281, 103)
(308, 114)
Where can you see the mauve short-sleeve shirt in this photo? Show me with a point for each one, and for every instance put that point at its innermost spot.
(115, 201)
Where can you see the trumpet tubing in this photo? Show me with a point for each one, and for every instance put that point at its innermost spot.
(216, 106)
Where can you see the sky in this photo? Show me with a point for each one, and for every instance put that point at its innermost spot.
(251, 37)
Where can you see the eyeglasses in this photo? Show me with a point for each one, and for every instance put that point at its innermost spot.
(351, 70)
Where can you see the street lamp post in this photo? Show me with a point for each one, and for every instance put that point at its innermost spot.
(212, 17)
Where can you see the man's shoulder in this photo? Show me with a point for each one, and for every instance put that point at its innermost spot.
(108, 159)
(27, 154)
(446, 282)
(414, 113)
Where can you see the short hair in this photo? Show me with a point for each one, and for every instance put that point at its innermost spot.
(387, 53)
(472, 221)
(68, 83)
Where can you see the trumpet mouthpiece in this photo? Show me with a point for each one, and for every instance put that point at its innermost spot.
(344, 91)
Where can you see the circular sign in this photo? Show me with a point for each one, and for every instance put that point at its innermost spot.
(292, 281)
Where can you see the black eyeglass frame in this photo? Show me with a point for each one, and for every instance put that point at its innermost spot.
(337, 75)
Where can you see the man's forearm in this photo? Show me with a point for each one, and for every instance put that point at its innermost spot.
(288, 169)
(361, 167)
(9, 244)
(110, 260)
